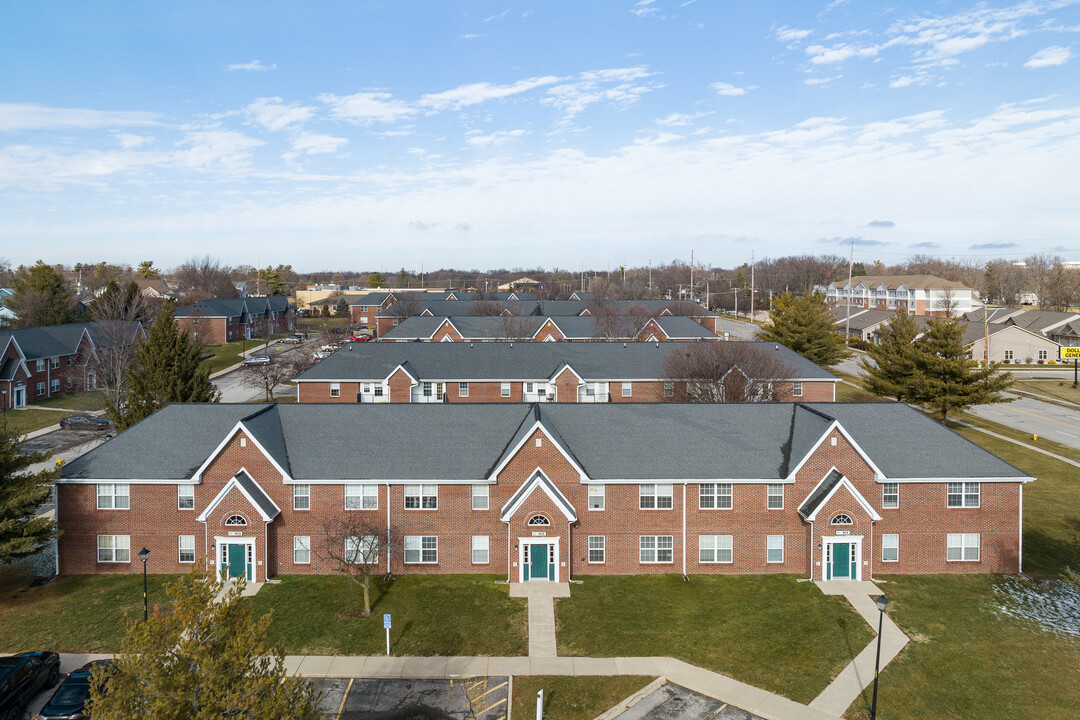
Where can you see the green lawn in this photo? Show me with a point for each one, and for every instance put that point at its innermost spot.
(91, 400)
(1024, 437)
(28, 420)
(1056, 389)
(965, 661)
(847, 393)
(572, 698)
(219, 357)
(75, 613)
(316, 324)
(766, 630)
(432, 615)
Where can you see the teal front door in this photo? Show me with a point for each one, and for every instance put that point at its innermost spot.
(538, 562)
(841, 561)
(237, 561)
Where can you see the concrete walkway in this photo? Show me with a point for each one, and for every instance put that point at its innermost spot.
(541, 597)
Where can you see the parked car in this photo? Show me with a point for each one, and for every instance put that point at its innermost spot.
(69, 700)
(361, 337)
(22, 677)
(85, 422)
(257, 360)
(292, 339)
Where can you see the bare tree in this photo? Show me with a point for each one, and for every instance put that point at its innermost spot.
(515, 327)
(405, 306)
(487, 307)
(734, 371)
(685, 307)
(204, 278)
(1039, 272)
(619, 322)
(357, 544)
(116, 332)
(947, 302)
(284, 368)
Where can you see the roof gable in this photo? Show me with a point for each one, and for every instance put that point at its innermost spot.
(238, 428)
(541, 481)
(829, 485)
(243, 483)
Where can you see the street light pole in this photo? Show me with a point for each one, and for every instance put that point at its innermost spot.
(266, 382)
(144, 555)
(882, 603)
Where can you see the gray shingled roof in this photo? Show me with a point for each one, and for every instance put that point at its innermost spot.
(594, 361)
(497, 327)
(46, 342)
(261, 499)
(463, 442)
(831, 480)
(528, 305)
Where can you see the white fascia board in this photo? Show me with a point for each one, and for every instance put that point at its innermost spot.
(229, 486)
(538, 479)
(544, 324)
(878, 475)
(565, 366)
(907, 481)
(125, 481)
(217, 451)
(845, 483)
(386, 481)
(393, 372)
(691, 481)
(494, 475)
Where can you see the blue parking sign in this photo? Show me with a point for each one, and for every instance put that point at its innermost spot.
(386, 621)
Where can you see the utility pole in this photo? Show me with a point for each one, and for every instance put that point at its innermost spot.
(847, 319)
(706, 294)
(736, 302)
(751, 286)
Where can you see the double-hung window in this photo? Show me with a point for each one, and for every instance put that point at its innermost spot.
(963, 494)
(421, 497)
(596, 497)
(775, 549)
(421, 549)
(301, 549)
(796, 388)
(113, 496)
(335, 389)
(361, 549)
(463, 389)
(656, 549)
(890, 548)
(40, 366)
(301, 497)
(627, 389)
(962, 547)
(185, 497)
(114, 548)
(479, 497)
(714, 548)
(714, 496)
(480, 549)
(186, 546)
(361, 497)
(775, 496)
(654, 496)
(890, 496)
(669, 389)
(504, 389)
(596, 549)
(55, 385)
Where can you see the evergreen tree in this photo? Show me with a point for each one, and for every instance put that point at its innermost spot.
(341, 308)
(21, 494)
(201, 660)
(146, 270)
(168, 368)
(947, 379)
(376, 280)
(894, 366)
(40, 296)
(806, 326)
(858, 270)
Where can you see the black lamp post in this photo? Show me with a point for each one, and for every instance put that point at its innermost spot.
(266, 382)
(882, 603)
(144, 555)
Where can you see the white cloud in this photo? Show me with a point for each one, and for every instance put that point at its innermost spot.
(1049, 57)
(729, 90)
(619, 87)
(787, 34)
(316, 143)
(680, 119)
(215, 149)
(472, 36)
(365, 108)
(273, 114)
(477, 93)
(132, 142)
(821, 81)
(28, 116)
(477, 138)
(498, 16)
(253, 66)
(643, 8)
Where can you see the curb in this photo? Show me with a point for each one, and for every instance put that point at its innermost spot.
(627, 703)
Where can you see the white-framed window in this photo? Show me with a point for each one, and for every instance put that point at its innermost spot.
(186, 547)
(655, 496)
(301, 549)
(361, 549)
(963, 494)
(627, 389)
(796, 388)
(774, 549)
(890, 496)
(40, 366)
(335, 389)
(714, 496)
(669, 389)
(378, 390)
(504, 389)
(55, 363)
(113, 496)
(596, 549)
(1042, 354)
(653, 549)
(714, 548)
(1008, 354)
(596, 497)
(361, 497)
(301, 497)
(41, 388)
(421, 549)
(113, 548)
(463, 389)
(841, 519)
(55, 385)
(427, 391)
(479, 497)
(421, 497)
(538, 521)
(480, 549)
(235, 521)
(185, 497)
(774, 496)
(962, 547)
(890, 548)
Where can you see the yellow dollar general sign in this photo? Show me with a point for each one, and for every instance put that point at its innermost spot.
(1070, 353)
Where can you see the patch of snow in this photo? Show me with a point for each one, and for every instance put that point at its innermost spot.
(1053, 604)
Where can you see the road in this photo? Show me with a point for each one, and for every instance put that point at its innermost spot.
(735, 330)
(231, 383)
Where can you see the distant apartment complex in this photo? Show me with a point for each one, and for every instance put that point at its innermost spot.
(921, 295)
(213, 322)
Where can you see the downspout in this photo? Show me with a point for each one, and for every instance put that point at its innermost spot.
(48, 377)
(509, 562)
(569, 554)
(388, 551)
(872, 549)
(813, 554)
(266, 554)
(684, 533)
(1020, 544)
(56, 523)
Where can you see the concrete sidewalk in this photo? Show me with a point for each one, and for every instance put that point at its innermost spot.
(541, 598)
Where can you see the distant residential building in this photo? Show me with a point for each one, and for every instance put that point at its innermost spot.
(213, 322)
(922, 295)
(532, 328)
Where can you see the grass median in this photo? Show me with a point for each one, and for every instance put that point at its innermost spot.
(573, 698)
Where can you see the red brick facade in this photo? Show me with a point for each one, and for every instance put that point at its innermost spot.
(48, 377)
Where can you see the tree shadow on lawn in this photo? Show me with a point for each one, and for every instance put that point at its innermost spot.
(1047, 555)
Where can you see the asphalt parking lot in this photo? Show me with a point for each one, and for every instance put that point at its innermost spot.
(476, 698)
(674, 702)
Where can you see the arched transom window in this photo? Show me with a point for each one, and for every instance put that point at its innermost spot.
(841, 519)
(538, 520)
(234, 520)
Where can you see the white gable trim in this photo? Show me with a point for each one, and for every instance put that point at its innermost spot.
(538, 479)
(544, 324)
(878, 475)
(493, 476)
(234, 483)
(844, 482)
(566, 366)
(443, 324)
(393, 372)
(197, 477)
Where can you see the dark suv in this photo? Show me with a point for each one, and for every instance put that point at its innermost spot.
(69, 700)
(22, 677)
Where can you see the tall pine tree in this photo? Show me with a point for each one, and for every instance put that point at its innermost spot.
(21, 494)
(806, 326)
(167, 369)
(40, 296)
(947, 379)
(894, 365)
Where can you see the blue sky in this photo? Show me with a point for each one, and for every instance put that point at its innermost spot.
(376, 135)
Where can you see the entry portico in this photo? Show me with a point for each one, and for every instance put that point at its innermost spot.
(839, 515)
(237, 534)
(534, 517)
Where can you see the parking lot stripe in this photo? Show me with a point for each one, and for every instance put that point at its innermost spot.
(722, 708)
(344, 697)
(495, 704)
